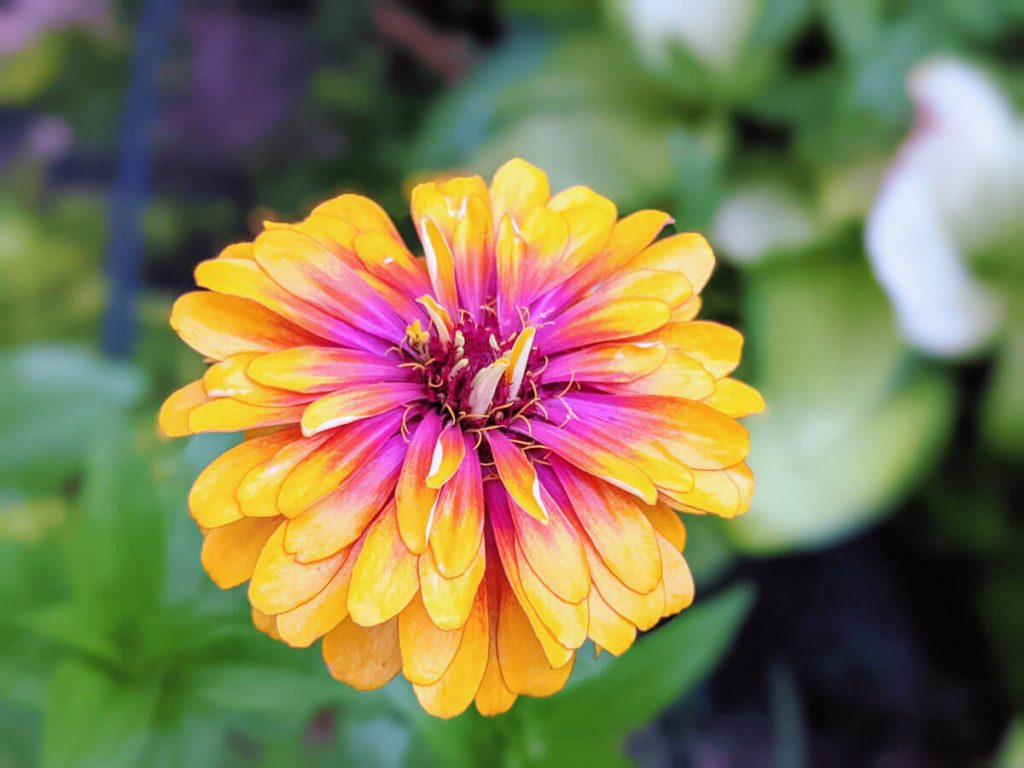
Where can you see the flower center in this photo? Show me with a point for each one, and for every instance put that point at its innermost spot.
(474, 374)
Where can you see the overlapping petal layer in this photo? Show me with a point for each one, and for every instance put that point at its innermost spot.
(462, 466)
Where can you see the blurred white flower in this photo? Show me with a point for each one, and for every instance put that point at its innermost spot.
(713, 31)
(956, 186)
(761, 219)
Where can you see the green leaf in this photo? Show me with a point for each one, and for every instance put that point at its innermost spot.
(632, 689)
(94, 722)
(56, 400)
(1003, 406)
(116, 552)
(853, 26)
(262, 687)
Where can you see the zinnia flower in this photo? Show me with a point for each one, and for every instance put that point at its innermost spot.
(462, 466)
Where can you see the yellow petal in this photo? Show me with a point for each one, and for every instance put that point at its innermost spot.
(687, 253)
(517, 474)
(228, 415)
(219, 326)
(448, 601)
(360, 212)
(667, 523)
(678, 582)
(455, 690)
(426, 650)
(385, 578)
(518, 188)
(231, 551)
(280, 582)
(212, 500)
(607, 629)
(524, 665)
(259, 490)
(447, 457)
(734, 398)
(302, 626)
(174, 413)
(725, 492)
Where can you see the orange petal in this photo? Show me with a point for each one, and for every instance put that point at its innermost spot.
(174, 413)
(426, 650)
(389, 260)
(245, 279)
(231, 551)
(614, 522)
(517, 474)
(437, 254)
(340, 518)
(219, 326)
(678, 376)
(229, 378)
(363, 657)
(212, 500)
(455, 690)
(414, 498)
(266, 624)
(448, 601)
(524, 665)
(472, 246)
(493, 697)
(303, 625)
(280, 582)
(457, 526)
(385, 578)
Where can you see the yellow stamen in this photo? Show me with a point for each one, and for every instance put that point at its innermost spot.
(439, 317)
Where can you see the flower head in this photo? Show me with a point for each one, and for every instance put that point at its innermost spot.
(461, 466)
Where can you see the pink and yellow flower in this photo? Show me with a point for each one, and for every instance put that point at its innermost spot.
(462, 466)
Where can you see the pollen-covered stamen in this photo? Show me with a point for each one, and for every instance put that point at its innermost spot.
(473, 374)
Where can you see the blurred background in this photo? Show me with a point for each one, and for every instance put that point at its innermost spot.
(858, 166)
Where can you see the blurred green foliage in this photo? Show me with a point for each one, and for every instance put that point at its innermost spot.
(117, 650)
